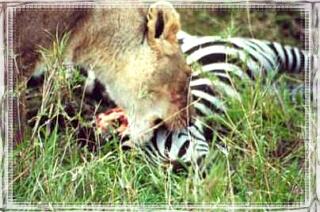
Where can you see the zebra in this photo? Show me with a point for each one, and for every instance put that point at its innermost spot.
(223, 58)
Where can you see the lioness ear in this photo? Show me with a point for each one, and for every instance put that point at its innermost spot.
(163, 23)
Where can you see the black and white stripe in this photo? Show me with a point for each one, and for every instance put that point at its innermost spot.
(234, 58)
(177, 148)
(255, 54)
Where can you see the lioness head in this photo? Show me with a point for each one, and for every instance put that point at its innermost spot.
(166, 89)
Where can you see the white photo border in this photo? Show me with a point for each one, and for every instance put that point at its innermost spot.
(310, 144)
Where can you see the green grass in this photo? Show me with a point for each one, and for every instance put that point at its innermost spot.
(285, 26)
(264, 162)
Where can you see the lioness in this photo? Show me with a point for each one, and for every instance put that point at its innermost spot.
(130, 50)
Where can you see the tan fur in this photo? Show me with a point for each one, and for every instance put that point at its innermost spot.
(145, 75)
